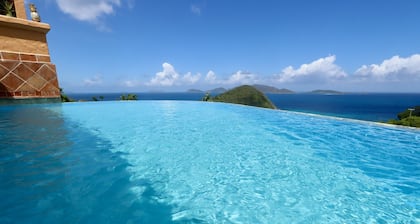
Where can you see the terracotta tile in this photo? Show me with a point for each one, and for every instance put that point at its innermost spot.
(10, 56)
(23, 71)
(46, 72)
(3, 71)
(33, 65)
(50, 87)
(26, 87)
(2, 88)
(10, 65)
(42, 58)
(55, 83)
(37, 81)
(12, 82)
(27, 57)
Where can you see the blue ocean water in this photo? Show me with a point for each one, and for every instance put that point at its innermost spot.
(370, 107)
(197, 162)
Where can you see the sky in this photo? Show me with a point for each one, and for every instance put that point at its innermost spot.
(176, 45)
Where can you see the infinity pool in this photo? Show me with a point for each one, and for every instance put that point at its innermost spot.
(195, 162)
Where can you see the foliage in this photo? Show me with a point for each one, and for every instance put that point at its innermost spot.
(406, 113)
(64, 97)
(7, 8)
(94, 98)
(413, 121)
(129, 96)
(405, 119)
(246, 95)
(207, 97)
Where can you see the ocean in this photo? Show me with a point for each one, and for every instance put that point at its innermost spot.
(369, 106)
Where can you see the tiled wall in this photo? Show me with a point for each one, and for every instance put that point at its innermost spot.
(25, 75)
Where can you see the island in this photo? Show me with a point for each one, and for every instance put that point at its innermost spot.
(325, 92)
(214, 91)
(272, 90)
(245, 95)
(409, 117)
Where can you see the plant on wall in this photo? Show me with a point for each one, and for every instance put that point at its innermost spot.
(7, 8)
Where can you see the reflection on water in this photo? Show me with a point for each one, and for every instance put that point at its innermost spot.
(52, 171)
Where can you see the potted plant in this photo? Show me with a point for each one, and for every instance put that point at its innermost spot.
(7, 8)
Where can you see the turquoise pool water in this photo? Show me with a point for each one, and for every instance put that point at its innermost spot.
(195, 162)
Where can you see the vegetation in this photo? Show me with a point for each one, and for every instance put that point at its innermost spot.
(7, 8)
(64, 97)
(271, 89)
(215, 91)
(129, 96)
(101, 98)
(246, 95)
(206, 97)
(408, 118)
(406, 113)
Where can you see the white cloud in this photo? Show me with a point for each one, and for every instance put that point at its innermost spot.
(191, 79)
(195, 9)
(237, 78)
(241, 77)
(167, 77)
(393, 69)
(130, 83)
(211, 77)
(94, 81)
(170, 77)
(88, 10)
(321, 70)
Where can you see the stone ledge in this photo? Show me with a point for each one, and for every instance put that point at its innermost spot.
(20, 56)
(24, 24)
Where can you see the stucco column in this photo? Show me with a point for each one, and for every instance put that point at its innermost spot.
(20, 9)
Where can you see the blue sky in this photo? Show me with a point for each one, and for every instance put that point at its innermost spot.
(175, 45)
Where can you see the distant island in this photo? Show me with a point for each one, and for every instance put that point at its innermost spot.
(211, 91)
(246, 95)
(272, 90)
(326, 92)
(262, 88)
(195, 91)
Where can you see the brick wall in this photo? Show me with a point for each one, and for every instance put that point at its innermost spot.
(24, 75)
(26, 71)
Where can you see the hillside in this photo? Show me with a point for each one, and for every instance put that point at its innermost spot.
(217, 90)
(327, 92)
(213, 91)
(195, 91)
(271, 89)
(246, 95)
(408, 118)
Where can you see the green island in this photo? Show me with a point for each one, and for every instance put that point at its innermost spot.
(245, 95)
(409, 117)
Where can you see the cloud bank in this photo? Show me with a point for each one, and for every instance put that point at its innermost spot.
(393, 69)
(321, 70)
(392, 75)
(88, 10)
(169, 77)
(94, 81)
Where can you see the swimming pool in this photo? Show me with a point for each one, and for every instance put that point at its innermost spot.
(197, 162)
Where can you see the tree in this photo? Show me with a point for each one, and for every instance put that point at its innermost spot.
(129, 96)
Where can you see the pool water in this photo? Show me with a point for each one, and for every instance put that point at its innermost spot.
(197, 162)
